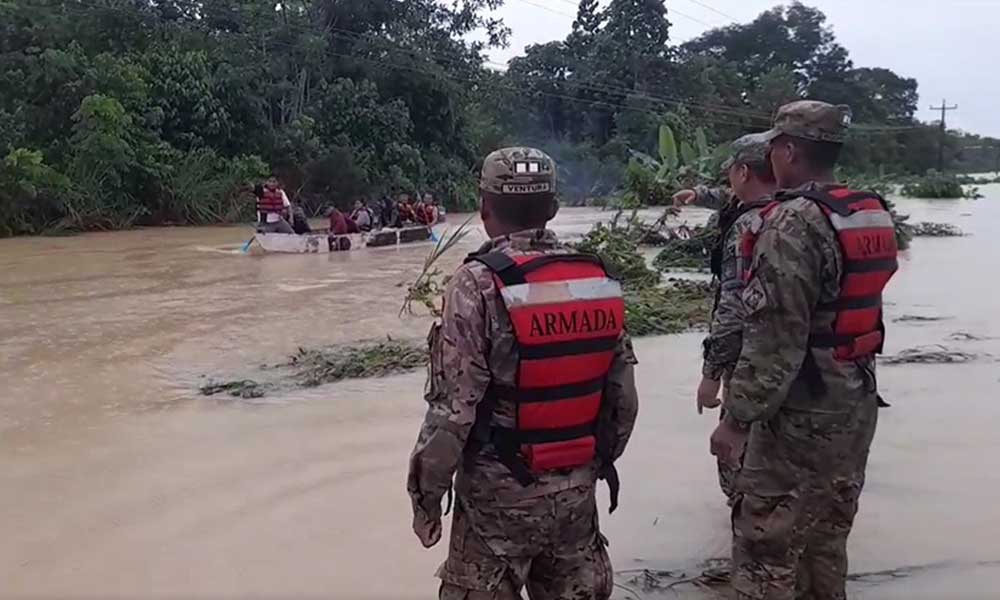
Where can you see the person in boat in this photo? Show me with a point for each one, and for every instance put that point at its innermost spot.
(428, 210)
(362, 215)
(341, 224)
(300, 223)
(388, 213)
(524, 468)
(441, 213)
(407, 211)
(273, 208)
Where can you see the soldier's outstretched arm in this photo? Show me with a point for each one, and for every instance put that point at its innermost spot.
(621, 399)
(779, 300)
(712, 197)
(459, 379)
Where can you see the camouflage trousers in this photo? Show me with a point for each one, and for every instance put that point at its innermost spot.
(788, 547)
(549, 545)
(728, 473)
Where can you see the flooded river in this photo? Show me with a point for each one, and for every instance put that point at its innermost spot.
(117, 479)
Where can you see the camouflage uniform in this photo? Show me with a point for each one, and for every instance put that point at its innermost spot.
(505, 536)
(813, 417)
(725, 338)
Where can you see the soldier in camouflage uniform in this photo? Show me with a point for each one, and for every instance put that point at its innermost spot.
(506, 536)
(810, 418)
(752, 186)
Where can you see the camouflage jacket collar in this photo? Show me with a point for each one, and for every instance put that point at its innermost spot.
(813, 186)
(523, 241)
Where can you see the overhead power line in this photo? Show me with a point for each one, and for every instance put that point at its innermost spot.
(669, 12)
(944, 108)
(715, 10)
(547, 8)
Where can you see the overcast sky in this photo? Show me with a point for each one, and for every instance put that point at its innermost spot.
(952, 47)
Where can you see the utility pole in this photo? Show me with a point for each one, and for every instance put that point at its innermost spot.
(944, 108)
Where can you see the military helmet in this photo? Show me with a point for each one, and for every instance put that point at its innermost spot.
(518, 170)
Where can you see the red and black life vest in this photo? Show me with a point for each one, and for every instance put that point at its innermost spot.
(271, 201)
(567, 316)
(867, 239)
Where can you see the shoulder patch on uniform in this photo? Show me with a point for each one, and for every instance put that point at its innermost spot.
(754, 297)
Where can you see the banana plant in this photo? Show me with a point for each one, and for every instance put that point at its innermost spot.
(677, 165)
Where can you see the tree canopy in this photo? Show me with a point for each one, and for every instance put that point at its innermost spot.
(122, 112)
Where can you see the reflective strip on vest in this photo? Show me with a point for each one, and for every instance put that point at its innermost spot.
(863, 219)
(549, 292)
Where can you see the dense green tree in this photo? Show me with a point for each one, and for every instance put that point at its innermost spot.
(114, 112)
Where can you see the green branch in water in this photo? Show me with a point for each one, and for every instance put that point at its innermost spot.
(319, 366)
(427, 289)
(681, 305)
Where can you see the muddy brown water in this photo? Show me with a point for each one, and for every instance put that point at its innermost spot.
(117, 479)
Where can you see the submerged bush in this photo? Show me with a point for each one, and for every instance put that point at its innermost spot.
(935, 185)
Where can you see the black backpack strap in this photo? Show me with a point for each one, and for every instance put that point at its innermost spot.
(503, 266)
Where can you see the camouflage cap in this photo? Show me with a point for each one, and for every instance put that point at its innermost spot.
(518, 170)
(812, 120)
(748, 149)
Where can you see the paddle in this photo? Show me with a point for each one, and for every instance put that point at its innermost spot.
(246, 246)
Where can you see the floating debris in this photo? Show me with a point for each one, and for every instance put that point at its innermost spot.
(244, 388)
(679, 306)
(965, 336)
(316, 367)
(712, 574)
(312, 367)
(929, 355)
(691, 252)
(918, 319)
(926, 229)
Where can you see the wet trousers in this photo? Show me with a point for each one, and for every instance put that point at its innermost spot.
(548, 545)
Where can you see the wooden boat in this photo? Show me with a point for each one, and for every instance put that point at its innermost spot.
(322, 242)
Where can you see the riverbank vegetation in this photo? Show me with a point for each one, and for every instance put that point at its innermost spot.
(172, 116)
(937, 185)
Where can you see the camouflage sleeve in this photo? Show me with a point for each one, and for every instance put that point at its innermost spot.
(707, 197)
(779, 301)
(725, 339)
(458, 380)
(621, 400)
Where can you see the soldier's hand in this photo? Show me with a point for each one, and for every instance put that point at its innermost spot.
(685, 197)
(708, 394)
(728, 441)
(428, 529)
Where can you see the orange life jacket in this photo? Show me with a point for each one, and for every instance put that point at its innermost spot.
(567, 316)
(867, 239)
(271, 201)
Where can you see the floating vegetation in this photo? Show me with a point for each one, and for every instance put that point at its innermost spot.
(679, 306)
(965, 336)
(316, 367)
(243, 388)
(918, 319)
(929, 355)
(713, 577)
(617, 243)
(312, 367)
(937, 185)
(936, 230)
(691, 252)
